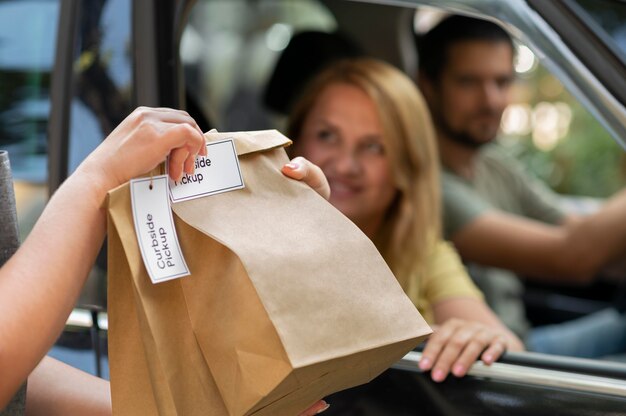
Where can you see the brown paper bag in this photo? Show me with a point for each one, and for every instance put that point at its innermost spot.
(287, 301)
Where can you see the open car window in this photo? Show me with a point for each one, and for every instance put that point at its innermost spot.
(229, 51)
(590, 33)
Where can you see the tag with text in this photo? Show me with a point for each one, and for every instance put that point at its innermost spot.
(215, 173)
(155, 230)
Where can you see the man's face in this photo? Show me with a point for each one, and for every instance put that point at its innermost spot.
(473, 91)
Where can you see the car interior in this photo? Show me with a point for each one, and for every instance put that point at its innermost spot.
(247, 81)
(236, 89)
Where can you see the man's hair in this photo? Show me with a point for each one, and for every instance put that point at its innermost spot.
(434, 45)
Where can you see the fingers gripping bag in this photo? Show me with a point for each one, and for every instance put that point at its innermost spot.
(286, 302)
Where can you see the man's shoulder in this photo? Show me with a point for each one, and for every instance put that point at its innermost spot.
(461, 203)
(491, 159)
(496, 155)
(451, 183)
(495, 163)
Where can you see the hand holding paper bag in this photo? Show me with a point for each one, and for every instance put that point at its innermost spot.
(287, 301)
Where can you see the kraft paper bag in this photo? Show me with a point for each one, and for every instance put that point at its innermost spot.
(287, 300)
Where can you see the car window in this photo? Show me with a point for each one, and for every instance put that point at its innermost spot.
(100, 91)
(102, 88)
(551, 132)
(27, 43)
(557, 138)
(229, 49)
(607, 18)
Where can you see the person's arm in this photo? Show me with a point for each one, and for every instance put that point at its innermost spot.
(82, 393)
(55, 388)
(39, 285)
(467, 330)
(574, 251)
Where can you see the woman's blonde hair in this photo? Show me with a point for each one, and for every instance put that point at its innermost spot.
(413, 222)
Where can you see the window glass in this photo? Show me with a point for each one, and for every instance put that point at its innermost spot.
(101, 93)
(102, 76)
(607, 18)
(229, 49)
(100, 96)
(27, 43)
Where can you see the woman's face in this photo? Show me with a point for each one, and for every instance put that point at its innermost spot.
(342, 134)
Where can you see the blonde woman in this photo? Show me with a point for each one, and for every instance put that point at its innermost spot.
(367, 127)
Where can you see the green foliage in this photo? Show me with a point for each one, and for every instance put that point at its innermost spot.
(587, 161)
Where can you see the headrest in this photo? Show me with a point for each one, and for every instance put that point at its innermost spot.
(304, 57)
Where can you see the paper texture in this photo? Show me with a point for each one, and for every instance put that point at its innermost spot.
(286, 303)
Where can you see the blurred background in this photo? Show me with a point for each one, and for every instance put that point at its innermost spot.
(545, 127)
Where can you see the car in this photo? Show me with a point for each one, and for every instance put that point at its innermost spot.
(215, 58)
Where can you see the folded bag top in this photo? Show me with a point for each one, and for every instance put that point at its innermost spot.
(287, 300)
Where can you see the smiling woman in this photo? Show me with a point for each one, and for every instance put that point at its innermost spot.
(342, 135)
(368, 128)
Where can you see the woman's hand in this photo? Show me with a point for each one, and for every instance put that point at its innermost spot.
(302, 170)
(316, 409)
(457, 344)
(142, 141)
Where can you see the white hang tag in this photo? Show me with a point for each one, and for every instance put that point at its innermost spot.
(155, 230)
(215, 173)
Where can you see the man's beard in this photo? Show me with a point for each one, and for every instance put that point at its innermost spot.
(460, 137)
(463, 138)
